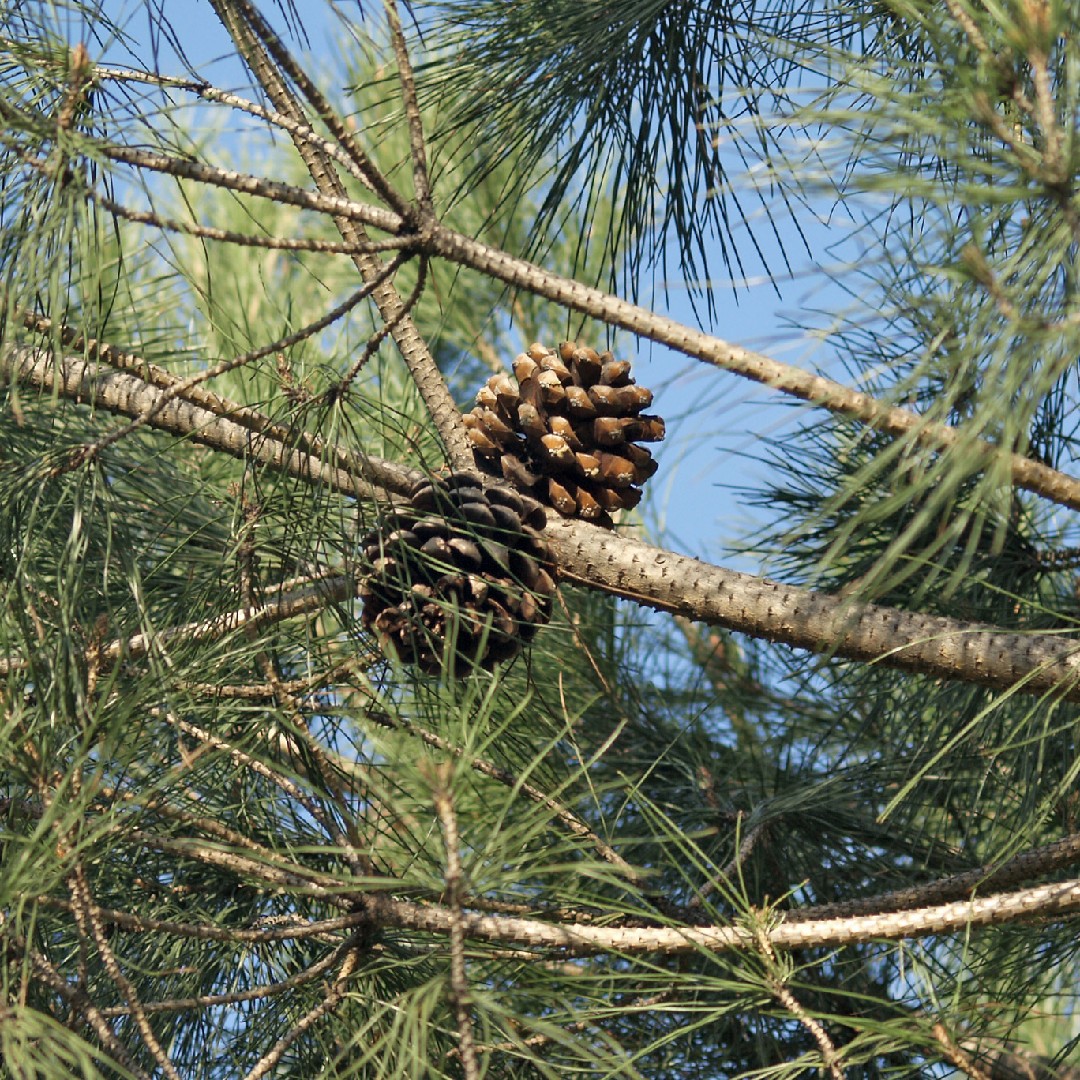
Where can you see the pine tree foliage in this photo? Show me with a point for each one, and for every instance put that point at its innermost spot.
(706, 823)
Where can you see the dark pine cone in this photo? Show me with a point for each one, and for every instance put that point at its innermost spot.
(459, 567)
(565, 428)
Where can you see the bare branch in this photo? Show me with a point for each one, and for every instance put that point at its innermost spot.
(788, 379)
(226, 236)
(1042, 901)
(421, 182)
(956, 1056)
(355, 161)
(256, 993)
(460, 999)
(789, 1001)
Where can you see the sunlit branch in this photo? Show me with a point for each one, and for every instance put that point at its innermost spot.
(933, 645)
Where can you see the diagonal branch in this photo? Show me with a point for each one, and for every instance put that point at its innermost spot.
(1045, 902)
(90, 929)
(333, 998)
(257, 43)
(787, 378)
(421, 180)
(932, 645)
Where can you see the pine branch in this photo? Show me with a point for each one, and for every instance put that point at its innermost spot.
(421, 180)
(258, 43)
(1020, 868)
(580, 939)
(786, 378)
(956, 1056)
(931, 645)
(775, 977)
(336, 203)
(1042, 902)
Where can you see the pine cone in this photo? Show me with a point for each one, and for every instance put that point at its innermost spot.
(565, 429)
(459, 567)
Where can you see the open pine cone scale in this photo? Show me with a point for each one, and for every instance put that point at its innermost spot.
(460, 576)
(565, 428)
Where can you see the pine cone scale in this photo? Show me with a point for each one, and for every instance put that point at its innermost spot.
(567, 430)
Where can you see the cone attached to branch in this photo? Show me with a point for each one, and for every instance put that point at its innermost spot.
(459, 577)
(566, 428)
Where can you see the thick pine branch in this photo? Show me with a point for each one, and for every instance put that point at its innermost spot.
(931, 645)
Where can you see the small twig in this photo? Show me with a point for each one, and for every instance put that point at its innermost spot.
(460, 999)
(294, 791)
(728, 872)
(287, 604)
(79, 77)
(384, 331)
(956, 1056)
(270, 243)
(421, 181)
(256, 993)
(293, 930)
(789, 1001)
(327, 1005)
(542, 1039)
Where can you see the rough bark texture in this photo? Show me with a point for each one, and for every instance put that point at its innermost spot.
(822, 623)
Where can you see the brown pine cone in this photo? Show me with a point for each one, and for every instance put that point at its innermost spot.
(460, 577)
(565, 428)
